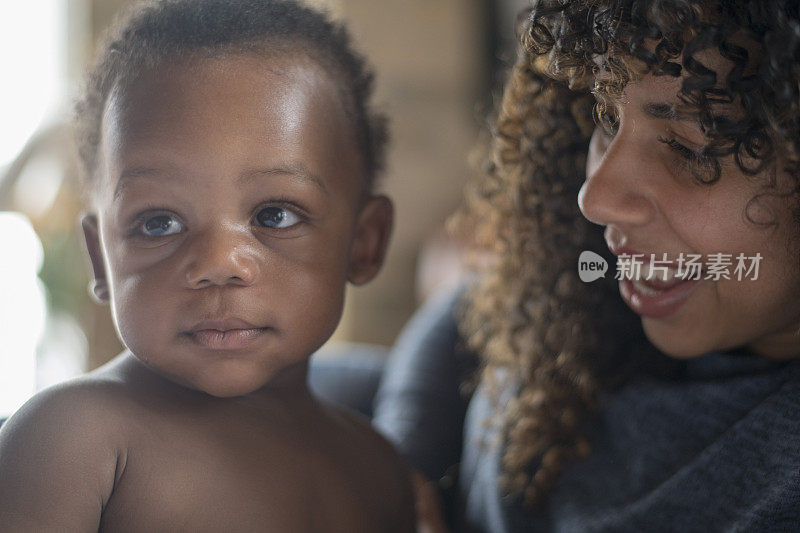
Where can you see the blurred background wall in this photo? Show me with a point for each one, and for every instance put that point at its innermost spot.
(437, 63)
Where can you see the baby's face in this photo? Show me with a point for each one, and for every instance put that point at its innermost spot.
(230, 214)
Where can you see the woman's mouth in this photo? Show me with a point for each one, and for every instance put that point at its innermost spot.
(657, 298)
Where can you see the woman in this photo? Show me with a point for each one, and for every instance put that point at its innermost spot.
(668, 399)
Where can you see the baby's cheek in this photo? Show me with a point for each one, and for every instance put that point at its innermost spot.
(318, 300)
(142, 313)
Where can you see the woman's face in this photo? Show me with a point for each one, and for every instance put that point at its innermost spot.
(640, 186)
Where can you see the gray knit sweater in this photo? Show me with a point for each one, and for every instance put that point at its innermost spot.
(715, 450)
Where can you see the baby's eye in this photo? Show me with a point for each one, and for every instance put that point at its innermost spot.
(276, 217)
(161, 226)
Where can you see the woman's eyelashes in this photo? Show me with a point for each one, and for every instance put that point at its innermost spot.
(682, 150)
(700, 166)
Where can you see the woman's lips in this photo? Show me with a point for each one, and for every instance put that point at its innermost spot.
(657, 288)
(655, 298)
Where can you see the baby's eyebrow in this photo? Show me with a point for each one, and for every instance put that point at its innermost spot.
(295, 170)
(131, 173)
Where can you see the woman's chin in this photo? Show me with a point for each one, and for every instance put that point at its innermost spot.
(676, 344)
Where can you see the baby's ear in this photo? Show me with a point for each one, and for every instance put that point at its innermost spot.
(99, 286)
(372, 233)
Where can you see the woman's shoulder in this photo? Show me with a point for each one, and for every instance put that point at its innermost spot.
(420, 403)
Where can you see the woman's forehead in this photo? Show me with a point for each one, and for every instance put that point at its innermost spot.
(667, 96)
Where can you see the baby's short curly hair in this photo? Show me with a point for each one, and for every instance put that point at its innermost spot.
(157, 31)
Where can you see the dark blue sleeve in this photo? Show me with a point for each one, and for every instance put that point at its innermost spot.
(347, 374)
(420, 405)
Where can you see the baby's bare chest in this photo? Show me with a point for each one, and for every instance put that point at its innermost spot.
(234, 478)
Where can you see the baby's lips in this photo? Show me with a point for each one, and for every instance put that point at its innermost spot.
(232, 339)
(223, 324)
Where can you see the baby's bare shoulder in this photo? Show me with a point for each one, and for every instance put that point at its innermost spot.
(59, 456)
(381, 471)
(363, 433)
(81, 408)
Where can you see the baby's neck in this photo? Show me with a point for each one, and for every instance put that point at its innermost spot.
(288, 386)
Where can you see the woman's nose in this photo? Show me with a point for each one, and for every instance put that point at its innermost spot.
(221, 256)
(618, 187)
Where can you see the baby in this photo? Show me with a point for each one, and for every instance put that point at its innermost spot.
(231, 154)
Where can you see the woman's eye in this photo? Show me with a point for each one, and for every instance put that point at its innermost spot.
(276, 217)
(703, 168)
(684, 151)
(161, 226)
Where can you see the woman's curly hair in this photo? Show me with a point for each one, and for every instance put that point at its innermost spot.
(560, 343)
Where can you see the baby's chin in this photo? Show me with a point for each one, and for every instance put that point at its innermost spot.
(225, 388)
(231, 385)
(231, 377)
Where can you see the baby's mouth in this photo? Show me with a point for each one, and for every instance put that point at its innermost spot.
(231, 339)
(225, 334)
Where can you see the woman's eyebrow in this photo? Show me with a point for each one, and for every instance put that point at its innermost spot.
(665, 111)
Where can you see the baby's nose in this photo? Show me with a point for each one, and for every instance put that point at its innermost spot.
(222, 256)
